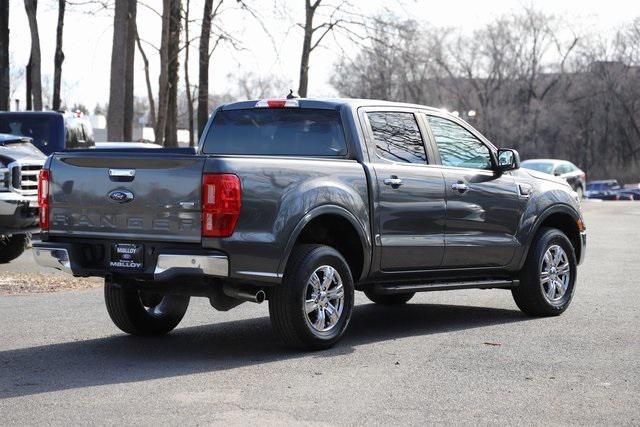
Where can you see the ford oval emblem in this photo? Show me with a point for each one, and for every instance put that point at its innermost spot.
(121, 196)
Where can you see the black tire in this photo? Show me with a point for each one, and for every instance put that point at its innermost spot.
(158, 315)
(389, 299)
(287, 300)
(530, 294)
(11, 247)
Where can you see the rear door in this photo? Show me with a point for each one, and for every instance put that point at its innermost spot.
(409, 208)
(483, 208)
(127, 196)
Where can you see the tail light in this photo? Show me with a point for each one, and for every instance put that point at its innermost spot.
(221, 201)
(277, 103)
(44, 184)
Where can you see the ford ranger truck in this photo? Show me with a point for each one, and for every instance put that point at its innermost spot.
(301, 202)
(20, 164)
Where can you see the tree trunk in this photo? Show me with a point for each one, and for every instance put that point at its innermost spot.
(58, 58)
(310, 10)
(129, 71)
(31, 7)
(186, 74)
(152, 103)
(173, 50)
(4, 57)
(203, 68)
(28, 105)
(161, 118)
(116, 113)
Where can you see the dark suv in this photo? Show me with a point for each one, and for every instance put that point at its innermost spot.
(302, 202)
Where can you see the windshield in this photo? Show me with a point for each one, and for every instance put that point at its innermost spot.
(276, 132)
(539, 166)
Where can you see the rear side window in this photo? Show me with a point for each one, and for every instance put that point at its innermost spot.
(276, 132)
(397, 137)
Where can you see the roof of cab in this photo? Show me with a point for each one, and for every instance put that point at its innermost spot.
(330, 104)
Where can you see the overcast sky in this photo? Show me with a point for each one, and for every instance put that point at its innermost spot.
(87, 38)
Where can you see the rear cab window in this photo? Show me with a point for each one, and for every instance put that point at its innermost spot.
(276, 132)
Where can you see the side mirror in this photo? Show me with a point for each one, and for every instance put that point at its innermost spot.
(508, 159)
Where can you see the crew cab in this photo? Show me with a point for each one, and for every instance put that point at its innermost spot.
(302, 202)
(20, 164)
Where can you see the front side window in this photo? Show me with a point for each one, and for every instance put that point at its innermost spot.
(397, 137)
(457, 146)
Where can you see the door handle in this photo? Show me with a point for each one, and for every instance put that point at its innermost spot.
(393, 181)
(460, 187)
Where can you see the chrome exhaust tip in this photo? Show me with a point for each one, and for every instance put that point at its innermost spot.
(245, 294)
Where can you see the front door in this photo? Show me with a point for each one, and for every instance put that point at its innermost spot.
(484, 208)
(409, 207)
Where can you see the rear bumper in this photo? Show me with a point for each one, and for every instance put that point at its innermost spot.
(165, 266)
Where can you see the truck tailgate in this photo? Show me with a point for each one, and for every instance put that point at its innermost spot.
(128, 196)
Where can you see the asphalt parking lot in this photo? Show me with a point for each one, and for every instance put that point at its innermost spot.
(463, 357)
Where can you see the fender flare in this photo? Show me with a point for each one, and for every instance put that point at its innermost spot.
(365, 241)
(546, 213)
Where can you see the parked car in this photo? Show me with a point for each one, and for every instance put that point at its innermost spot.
(49, 131)
(604, 190)
(629, 194)
(562, 169)
(20, 163)
(302, 202)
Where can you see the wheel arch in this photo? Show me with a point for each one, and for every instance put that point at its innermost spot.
(357, 254)
(563, 218)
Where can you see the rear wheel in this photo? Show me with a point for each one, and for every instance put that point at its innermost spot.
(139, 312)
(389, 299)
(548, 278)
(311, 308)
(11, 247)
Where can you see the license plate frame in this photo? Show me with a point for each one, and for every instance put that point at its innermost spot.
(127, 256)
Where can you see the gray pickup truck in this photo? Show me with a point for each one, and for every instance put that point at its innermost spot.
(302, 202)
(20, 163)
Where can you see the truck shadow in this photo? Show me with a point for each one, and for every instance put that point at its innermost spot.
(221, 346)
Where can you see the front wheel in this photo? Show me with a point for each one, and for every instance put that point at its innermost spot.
(548, 278)
(139, 312)
(311, 308)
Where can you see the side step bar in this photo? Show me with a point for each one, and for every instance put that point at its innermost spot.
(445, 286)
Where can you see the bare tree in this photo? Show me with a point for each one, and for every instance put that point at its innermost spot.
(34, 74)
(129, 53)
(165, 128)
(152, 104)
(121, 89)
(208, 15)
(340, 16)
(59, 57)
(173, 50)
(5, 78)
(186, 74)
